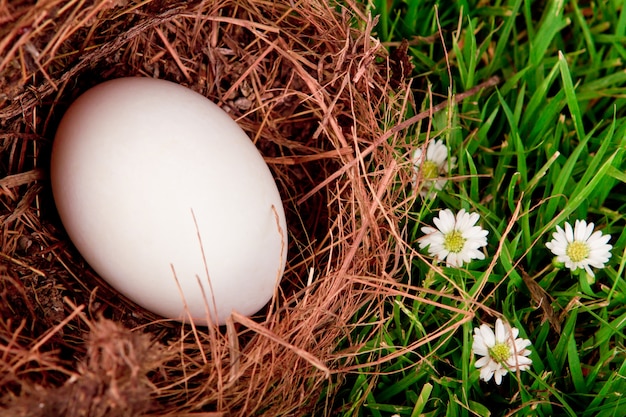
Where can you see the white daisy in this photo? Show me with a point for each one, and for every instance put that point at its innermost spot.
(501, 352)
(580, 247)
(456, 240)
(432, 169)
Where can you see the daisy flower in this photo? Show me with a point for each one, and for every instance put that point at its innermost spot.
(431, 168)
(501, 352)
(456, 239)
(580, 247)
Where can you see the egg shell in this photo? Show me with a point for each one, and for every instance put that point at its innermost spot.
(168, 200)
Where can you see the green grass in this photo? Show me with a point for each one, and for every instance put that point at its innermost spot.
(544, 147)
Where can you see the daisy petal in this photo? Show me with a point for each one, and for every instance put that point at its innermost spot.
(455, 238)
(500, 352)
(596, 254)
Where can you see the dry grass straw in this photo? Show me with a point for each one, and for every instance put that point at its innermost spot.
(312, 88)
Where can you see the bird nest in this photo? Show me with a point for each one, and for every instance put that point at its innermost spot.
(318, 96)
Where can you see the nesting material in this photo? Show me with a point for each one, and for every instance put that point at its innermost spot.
(314, 91)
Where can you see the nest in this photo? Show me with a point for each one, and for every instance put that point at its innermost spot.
(313, 89)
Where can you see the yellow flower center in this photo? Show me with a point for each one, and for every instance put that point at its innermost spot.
(430, 170)
(577, 251)
(454, 241)
(500, 352)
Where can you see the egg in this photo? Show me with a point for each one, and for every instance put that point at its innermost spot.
(168, 200)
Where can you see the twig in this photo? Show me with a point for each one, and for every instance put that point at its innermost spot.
(397, 128)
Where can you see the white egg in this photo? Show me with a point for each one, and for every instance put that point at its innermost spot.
(168, 200)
